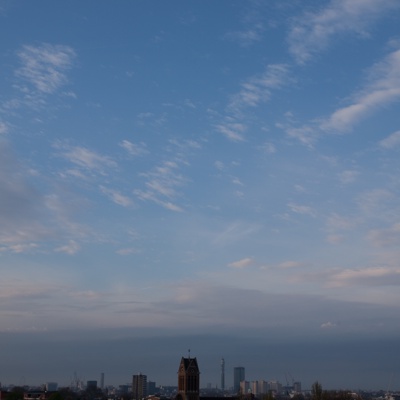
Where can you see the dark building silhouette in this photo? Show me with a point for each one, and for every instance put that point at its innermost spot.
(91, 385)
(139, 387)
(238, 376)
(222, 374)
(188, 379)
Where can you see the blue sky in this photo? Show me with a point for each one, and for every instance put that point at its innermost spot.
(219, 175)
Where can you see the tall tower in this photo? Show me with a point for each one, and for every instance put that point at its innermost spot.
(102, 381)
(238, 376)
(139, 387)
(222, 374)
(188, 379)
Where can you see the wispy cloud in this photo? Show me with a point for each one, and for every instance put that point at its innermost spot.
(253, 92)
(72, 247)
(302, 209)
(339, 222)
(30, 219)
(134, 149)
(258, 88)
(290, 264)
(252, 27)
(20, 228)
(243, 263)
(375, 200)
(348, 176)
(235, 232)
(85, 158)
(369, 276)
(246, 37)
(385, 237)
(44, 66)
(3, 128)
(328, 325)
(306, 134)
(383, 87)
(116, 197)
(233, 131)
(312, 32)
(127, 251)
(391, 141)
(164, 183)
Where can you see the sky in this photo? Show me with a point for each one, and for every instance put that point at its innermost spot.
(219, 176)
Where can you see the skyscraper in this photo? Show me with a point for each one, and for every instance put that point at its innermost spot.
(222, 374)
(139, 387)
(238, 376)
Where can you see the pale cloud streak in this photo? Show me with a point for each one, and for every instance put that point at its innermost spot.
(3, 128)
(162, 185)
(44, 66)
(243, 263)
(134, 149)
(313, 32)
(71, 248)
(368, 276)
(391, 141)
(116, 197)
(302, 209)
(257, 89)
(290, 264)
(20, 207)
(382, 88)
(253, 92)
(232, 131)
(85, 158)
(386, 236)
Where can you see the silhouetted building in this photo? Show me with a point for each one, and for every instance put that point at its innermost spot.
(151, 388)
(188, 379)
(91, 385)
(238, 376)
(102, 381)
(139, 387)
(222, 374)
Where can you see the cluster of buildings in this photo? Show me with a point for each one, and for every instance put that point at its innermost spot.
(261, 387)
(188, 387)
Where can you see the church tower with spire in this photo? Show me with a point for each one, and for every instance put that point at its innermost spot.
(188, 379)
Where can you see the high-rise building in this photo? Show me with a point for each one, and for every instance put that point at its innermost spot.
(188, 379)
(139, 387)
(244, 387)
(262, 387)
(254, 388)
(102, 381)
(222, 374)
(151, 388)
(238, 376)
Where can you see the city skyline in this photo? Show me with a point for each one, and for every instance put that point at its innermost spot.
(219, 175)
